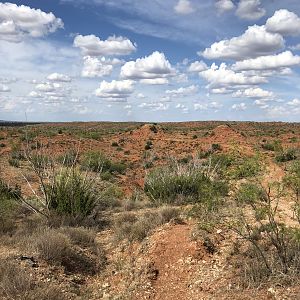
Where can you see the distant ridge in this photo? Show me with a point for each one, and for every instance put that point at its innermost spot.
(16, 123)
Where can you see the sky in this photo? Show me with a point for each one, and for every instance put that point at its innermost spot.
(150, 60)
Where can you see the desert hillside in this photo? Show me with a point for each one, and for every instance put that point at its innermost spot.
(198, 210)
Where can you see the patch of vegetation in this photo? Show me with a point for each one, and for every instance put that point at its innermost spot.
(69, 158)
(188, 183)
(97, 162)
(246, 167)
(273, 247)
(71, 193)
(148, 145)
(8, 207)
(136, 227)
(285, 156)
(14, 162)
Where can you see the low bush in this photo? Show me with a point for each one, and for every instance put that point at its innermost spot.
(136, 227)
(40, 161)
(69, 158)
(72, 193)
(273, 246)
(188, 183)
(52, 246)
(250, 193)
(148, 145)
(80, 235)
(14, 162)
(64, 247)
(246, 167)
(285, 156)
(98, 162)
(15, 283)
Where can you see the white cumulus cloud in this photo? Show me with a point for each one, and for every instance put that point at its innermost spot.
(4, 88)
(57, 77)
(222, 76)
(224, 6)
(94, 67)
(18, 22)
(284, 22)
(254, 92)
(256, 41)
(197, 66)
(115, 90)
(239, 107)
(250, 10)
(152, 69)
(270, 62)
(92, 45)
(183, 91)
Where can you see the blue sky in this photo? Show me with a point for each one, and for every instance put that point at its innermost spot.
(150, 60)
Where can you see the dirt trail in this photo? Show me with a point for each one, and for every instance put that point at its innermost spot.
(171, 253)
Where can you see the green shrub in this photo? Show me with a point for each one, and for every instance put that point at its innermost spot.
(69, 158)
(246, 167)
(148, 145)
(115, 144)
(7, 215)
(285, 156)
(40, 161)
(80, 235)
(273, 250)
(153, 128)
(14, 162)
(8, 192)
(183, 183)
(268, 146)
(72, 193)
(250, 193)
(216, 147)
(97, 161)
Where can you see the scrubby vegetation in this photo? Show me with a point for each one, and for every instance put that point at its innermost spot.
(135, 203)
(184, 183)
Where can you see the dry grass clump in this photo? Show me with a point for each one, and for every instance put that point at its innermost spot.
(136, 227)
(80, 236)
(73, 248)
(16, 283)
(52, 246)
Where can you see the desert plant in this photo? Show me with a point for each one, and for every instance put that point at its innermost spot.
(69, 158)
(148, 145)
(98, 162)
(52, 246)
(80, 235)
(273, 244)
(250, 192)
(71, 193)
(284, 156)
(246, 167)
(15, 283)
(193, 182)
(136, 227)
(14, 162)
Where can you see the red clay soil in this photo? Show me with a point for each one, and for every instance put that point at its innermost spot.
(170, 254)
